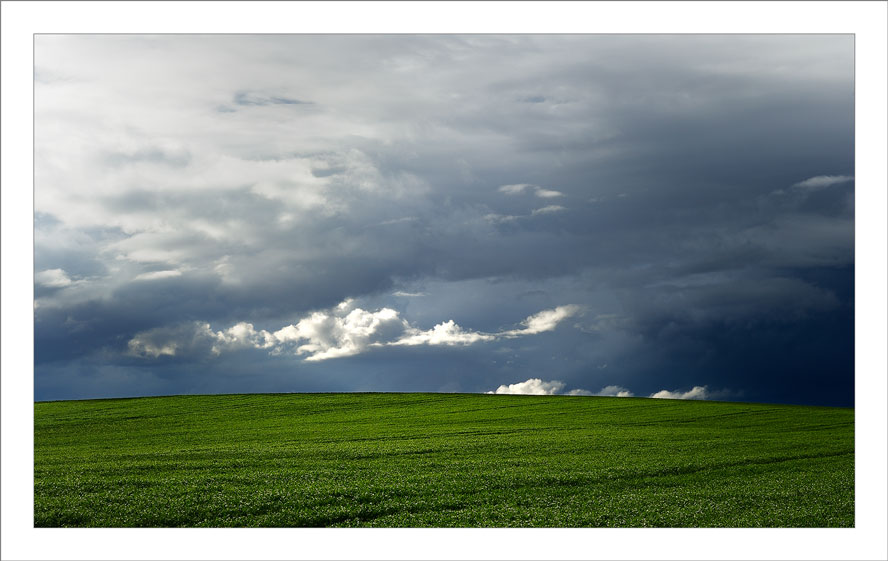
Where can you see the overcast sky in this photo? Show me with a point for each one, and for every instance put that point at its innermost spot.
(667, 216)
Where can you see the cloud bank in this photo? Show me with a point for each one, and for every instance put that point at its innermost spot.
(344, 330)
(536, 386)
(697, 392)
(199, 216)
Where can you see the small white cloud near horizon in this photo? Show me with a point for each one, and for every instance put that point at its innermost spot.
(536, 386)
(823, 181)
(697, 392)
(533, 386)
(615, 391)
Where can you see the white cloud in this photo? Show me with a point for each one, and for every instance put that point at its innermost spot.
(547, 320)
(536, 386)
(341, 331)
(140, 347)
(697, 392)
(197, 338)
(540, 192)
(514, 189)
(607, 391)
(548, 210)
(55, 278)
(242, 336)
(533, 386)
(500, 218)
(823, 181)
(404, 294)
(447, 333)
(155, 275)
(167, 246)
(547, 193)
(615, 391)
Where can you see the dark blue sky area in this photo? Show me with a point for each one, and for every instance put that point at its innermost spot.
(666, 216)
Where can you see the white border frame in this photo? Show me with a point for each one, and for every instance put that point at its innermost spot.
(867, 20)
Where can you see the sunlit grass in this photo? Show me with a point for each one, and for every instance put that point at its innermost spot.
(440, 460)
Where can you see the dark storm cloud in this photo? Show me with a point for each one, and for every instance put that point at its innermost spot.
(693, 196)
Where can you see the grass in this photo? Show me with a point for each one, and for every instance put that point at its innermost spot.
(410, 460)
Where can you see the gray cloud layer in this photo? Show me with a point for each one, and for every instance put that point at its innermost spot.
(693, 195)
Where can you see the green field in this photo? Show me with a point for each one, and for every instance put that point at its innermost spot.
(410, 460)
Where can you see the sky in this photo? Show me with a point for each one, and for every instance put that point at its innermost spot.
(626, 215)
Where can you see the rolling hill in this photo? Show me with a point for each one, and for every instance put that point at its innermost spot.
(420, 460)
